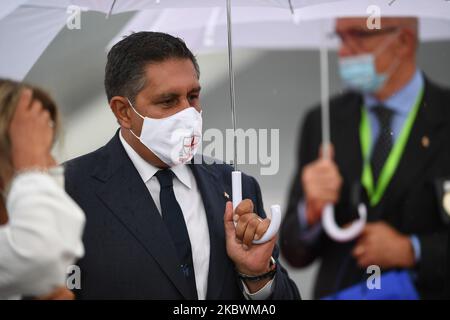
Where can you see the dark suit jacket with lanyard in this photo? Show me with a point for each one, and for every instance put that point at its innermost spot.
(128, 250)
(410, 203)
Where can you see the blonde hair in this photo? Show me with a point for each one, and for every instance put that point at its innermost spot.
(10, 92)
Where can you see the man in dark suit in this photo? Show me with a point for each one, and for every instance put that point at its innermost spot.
(159, 224)
(406, 226)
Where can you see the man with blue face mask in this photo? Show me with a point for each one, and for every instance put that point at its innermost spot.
(159, 222)
(389, 134)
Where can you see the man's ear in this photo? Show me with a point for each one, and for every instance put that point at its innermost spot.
(120, 107)
(407, 43)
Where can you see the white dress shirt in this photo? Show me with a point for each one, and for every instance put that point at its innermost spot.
(191, 203)
(189, 198)
(42, 237)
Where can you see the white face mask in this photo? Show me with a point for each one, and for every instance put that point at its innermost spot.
(175, 139)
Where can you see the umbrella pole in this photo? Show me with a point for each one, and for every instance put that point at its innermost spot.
(328, 218)
(231, 78)
(325, 104)
(236, 175)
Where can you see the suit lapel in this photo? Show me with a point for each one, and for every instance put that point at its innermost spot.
(212, 191)
(425, 140)
(127, 197)
(345, 137)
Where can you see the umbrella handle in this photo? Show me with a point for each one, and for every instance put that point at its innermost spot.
(343, 234)
(236, 183)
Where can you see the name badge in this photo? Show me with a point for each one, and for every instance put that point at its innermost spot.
(446, 197)
(443, 196)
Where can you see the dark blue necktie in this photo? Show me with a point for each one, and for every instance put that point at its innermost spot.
(384, 142)
(174, 220)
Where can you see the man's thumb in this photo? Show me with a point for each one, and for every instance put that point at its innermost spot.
(228, 219)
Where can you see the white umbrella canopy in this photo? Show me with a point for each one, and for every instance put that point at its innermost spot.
(9, 7)
(25, 33)
(205, 29)
(27, 27)
(438, 9)
(135, 5)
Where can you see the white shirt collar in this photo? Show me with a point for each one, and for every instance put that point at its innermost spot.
(147, 170)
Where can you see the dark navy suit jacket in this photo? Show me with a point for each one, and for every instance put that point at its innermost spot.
(129, 252)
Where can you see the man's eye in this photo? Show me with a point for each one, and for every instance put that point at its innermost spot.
(168, 102)
(193, 97)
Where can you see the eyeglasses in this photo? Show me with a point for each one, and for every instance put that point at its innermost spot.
(358, 39)
(361, 34)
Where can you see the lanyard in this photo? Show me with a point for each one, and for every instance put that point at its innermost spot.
(375, 192)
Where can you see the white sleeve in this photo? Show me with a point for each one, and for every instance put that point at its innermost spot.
(262, 294)
(42, 237)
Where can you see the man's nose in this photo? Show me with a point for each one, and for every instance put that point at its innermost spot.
(185, 104)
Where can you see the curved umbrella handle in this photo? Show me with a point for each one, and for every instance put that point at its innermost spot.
(343, 234)
(236, 184)
(275, 222)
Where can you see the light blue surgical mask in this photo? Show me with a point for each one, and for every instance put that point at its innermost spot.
(359, 72)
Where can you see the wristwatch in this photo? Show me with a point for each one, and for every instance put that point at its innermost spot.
(269, 274)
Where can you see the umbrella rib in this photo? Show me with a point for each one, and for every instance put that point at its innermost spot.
(291, 6)
(111, 9)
